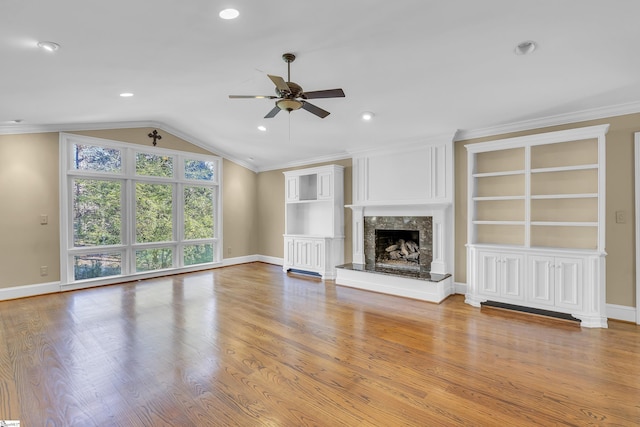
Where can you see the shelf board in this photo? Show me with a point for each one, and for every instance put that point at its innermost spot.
(503, 173)
(564, 224)
(565, 168)
(565, 196)
(498, 222)
(497, 198)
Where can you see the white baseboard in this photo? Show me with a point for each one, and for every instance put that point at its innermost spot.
(460, 288)
(29, 290)
(239, 260)
(271, 260)
(621, 312)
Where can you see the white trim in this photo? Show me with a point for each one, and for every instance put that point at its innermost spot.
(542, 122)
(460, 288)
(270, 260)
(75, 127)
(29, 290)
(306, 162)
(621, 312)
(637, 221)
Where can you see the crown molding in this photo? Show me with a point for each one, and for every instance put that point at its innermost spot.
(71, 127)
(306, 162)
(557, 120)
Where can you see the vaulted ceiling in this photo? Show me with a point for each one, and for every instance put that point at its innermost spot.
(423, 67)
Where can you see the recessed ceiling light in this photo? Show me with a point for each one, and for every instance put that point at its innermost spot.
(49, 46)
(229, 14)
(126, 94)
(367, 116)
(262, 128)
(17, 121)
(525, 47)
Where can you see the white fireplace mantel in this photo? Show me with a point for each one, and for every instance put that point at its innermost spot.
(414, 180)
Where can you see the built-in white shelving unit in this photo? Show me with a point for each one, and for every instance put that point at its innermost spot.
(536, 230)
(314, 220)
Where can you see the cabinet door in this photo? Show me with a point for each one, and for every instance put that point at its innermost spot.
(325, 185)
(303, 254)
(489, 273)
(541, 274)
(318, 254)
(292, 189)
(288, 252)
(512, 280)
(568, 282)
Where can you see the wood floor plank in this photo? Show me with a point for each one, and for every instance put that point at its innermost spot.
(250, 345)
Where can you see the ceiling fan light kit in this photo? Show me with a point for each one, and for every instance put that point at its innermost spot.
(291, 96)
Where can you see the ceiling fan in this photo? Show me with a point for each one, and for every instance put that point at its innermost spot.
(291, 96)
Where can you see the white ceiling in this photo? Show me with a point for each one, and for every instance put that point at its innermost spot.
(424, 67)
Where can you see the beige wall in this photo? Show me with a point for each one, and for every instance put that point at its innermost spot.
(271, 210)
(28, 189)
(29, 177)
(240, 203)
(619, 194)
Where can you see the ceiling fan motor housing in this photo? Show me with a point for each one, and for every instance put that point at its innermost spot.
(295, 91)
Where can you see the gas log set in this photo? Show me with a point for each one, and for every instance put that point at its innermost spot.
(401, 251)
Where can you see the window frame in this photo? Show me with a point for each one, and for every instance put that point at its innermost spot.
(128, 177)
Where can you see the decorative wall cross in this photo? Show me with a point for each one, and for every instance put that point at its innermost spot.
(155, 136)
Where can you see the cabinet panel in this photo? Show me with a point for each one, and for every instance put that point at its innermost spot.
(303, 254)
(489, 275)
(289, 251)
(325, 186)
(513, 276)
(318, 249)
(292, 188)
(541, 274)
(568, 282)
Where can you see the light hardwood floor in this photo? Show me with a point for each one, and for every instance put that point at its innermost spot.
(250, 346)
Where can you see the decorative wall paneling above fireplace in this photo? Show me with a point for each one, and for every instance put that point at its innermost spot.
(314, 220)
(536, 223)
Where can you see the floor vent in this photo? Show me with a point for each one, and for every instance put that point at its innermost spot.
(530, 310)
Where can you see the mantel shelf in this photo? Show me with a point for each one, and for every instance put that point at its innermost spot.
(429, 204)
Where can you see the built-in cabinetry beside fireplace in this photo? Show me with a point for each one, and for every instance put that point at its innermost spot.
(314, 220)
(536, 230)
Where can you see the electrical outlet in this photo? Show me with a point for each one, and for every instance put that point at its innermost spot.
(44, 219)
(44, 270)
(620, 217)
(229, 250)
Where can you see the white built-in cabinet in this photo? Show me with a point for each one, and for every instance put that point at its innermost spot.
(536, 223)
(501, 275)
(314, 220)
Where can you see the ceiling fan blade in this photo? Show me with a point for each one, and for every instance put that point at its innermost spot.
(330, 93)
(315, 110)
(272, 113)
(252, 96)
(280, 83)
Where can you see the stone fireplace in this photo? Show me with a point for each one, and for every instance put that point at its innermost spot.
(398, 242)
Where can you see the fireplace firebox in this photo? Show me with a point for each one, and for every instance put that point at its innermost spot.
(403, 243)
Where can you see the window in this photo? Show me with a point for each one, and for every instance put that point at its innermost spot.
(131, 209)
